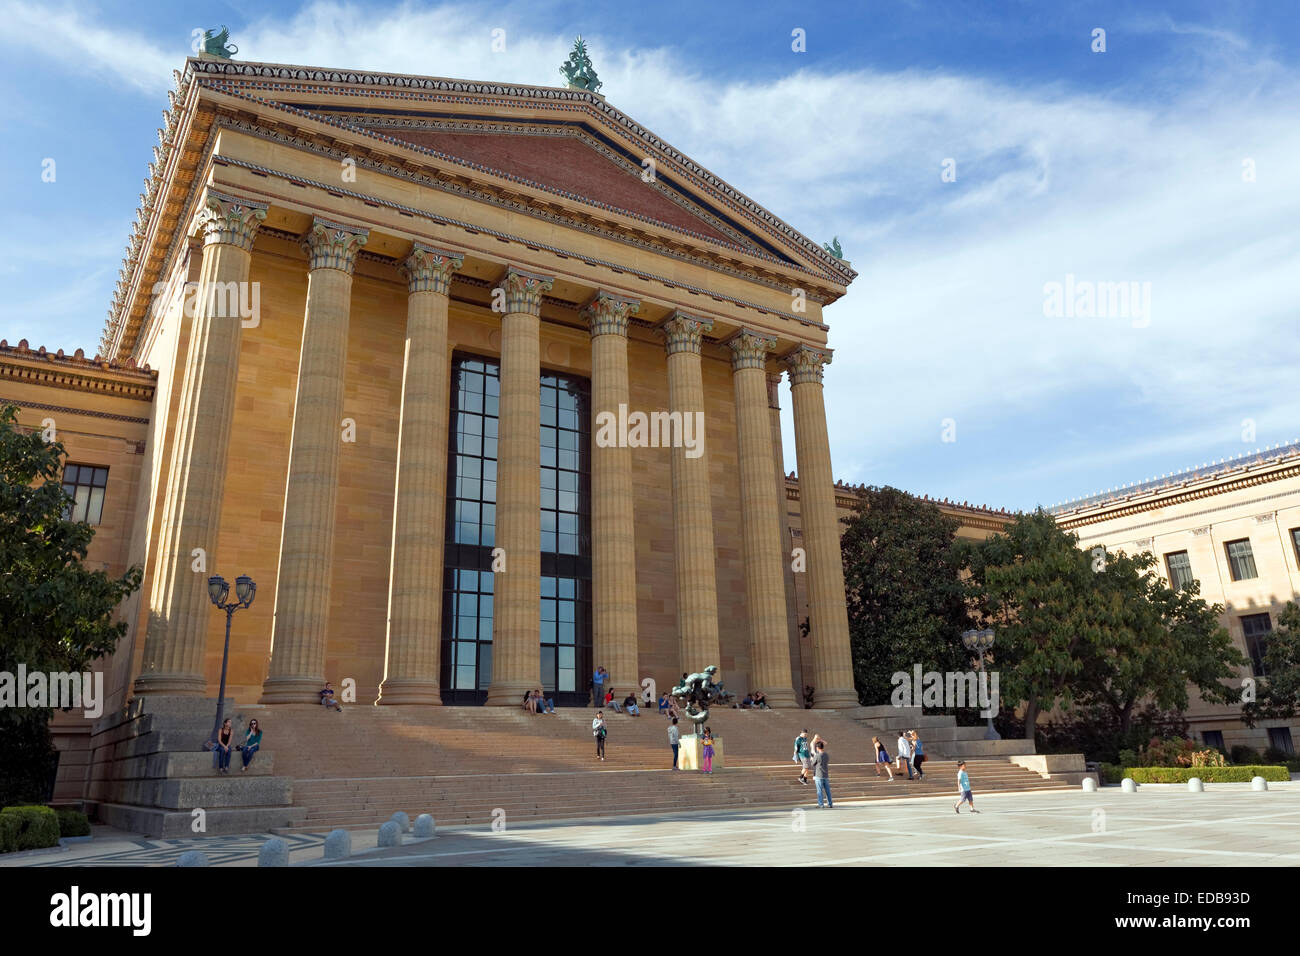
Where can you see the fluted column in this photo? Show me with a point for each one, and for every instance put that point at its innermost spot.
(516, 609)
(302, 594)
(697, 596)
(833, 658)
(787, 542)
(411, 671)
(764, 583)
(179, 607)
(613, 535)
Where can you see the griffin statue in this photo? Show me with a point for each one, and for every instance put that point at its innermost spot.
(833, 247)
(214, 43)
(578, 71)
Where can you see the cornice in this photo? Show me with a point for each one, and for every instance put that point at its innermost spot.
(75, 372)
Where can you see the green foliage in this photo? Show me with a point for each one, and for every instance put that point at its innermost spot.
(55, 613)
(1111, 772)
(1169, 752)
(1096, 733)
(1207, 774)
(1244, 754)
(28, 828)
(1278, 694)
(902, 581)
(72, 823)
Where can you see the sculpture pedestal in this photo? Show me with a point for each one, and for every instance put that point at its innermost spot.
(690, 755)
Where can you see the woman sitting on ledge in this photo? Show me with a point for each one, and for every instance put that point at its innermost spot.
(252, 742)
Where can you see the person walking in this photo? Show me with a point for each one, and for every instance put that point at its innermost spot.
(598, 731)
(882, 758)
(821, 762)
(904, 753)
(918, 755)
(674, 740)
(252, 742)
(963, 786)
(707, 752)
(803, 755)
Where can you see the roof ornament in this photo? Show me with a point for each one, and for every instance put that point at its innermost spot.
(214, 43)
(834, 248)
(578, 71)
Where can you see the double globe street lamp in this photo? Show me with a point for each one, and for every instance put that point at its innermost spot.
(218, 591)
(979, 643)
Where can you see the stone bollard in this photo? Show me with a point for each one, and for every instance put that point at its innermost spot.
(1089, 785)
(274, 852)
(1128, 785)
(192, 858)
(390, 834)
(1258, 783)
(402, 820)
(1194, 785)
(338, 845)
(424, 826)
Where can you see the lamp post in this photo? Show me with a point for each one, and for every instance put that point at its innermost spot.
(981, 641)
(218, 590)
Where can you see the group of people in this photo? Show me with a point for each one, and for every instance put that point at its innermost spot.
(536, 702)
(225, 743)
(756, 700)
(813, 757)
(911, 753)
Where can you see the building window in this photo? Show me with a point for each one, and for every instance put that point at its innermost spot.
(1279, 738)
(1180, 569)
(85, 485)
(1295, 543)
(1241, 561)
(1256, 628)
(1212, 739)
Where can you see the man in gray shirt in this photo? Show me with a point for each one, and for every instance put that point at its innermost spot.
(821, 762)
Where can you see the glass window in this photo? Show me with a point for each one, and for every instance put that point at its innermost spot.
(1213, 738)
(1256, 628)
(1295, 543)
(1241, 561)
(1279, 738)
(85, 485)
(1180, 570)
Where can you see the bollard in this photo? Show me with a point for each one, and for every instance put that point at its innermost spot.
(338, 845)
(402, 820)
(1128, 785)
(274, 852)
(390, 834)
(1258, 783)
(1194, 785)
(424, 826)
(192, 858)
(1089, 785)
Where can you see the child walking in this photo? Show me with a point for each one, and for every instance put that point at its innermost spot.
(707, 740)
(963, 785)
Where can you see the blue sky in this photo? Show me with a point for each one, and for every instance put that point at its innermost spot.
(1123, 166)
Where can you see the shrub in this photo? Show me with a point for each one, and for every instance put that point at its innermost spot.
(1128, 757)
(1207, 774)
(29, 828)
(1111, 772)
(1169, 752)
(1208, 758)
(72, 823)
(1244, 754)
(1095, 732)
(1276, 755)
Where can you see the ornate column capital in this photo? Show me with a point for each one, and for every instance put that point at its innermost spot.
(805, 364)
(226, 219)
(524, 290)
(429, 270)
(684, 332)
(331, 245)
(749, 349)
(609, 314)
(774, 391)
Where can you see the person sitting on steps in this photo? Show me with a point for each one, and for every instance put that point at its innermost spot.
(327, 698)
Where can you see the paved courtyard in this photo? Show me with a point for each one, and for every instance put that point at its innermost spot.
(1158, 826)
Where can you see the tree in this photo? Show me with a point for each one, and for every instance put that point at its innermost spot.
(55, 613)
(1278, 697)
(906, 602)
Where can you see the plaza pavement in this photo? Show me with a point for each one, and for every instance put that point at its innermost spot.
(1158, 826)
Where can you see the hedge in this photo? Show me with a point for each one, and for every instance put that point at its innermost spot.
(28, 828)
(1207, 774)
(1112, 772)
(72, 823)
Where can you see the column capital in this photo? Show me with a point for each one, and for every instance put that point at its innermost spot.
(774, 391)
(805, 364)
(609, 313)
(227, 219)
(429, 270)
(332, 245)
(749, 349)
(684, 332)
(524, 290)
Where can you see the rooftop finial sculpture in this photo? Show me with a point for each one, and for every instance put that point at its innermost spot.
(214, 43)
(697, 691)
(833, 247)
(578, 71)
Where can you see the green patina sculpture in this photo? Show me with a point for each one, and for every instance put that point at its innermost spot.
(697, 691)
(834, 248)
(578, 71)
(214, 43)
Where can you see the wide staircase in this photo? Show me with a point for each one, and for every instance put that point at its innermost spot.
(470, 765)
